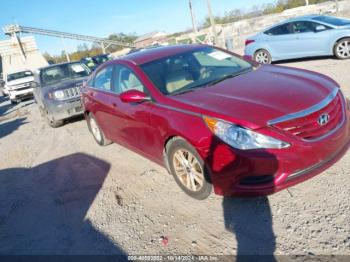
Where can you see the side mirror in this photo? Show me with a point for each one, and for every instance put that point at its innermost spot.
(134, 96)
(320, 28)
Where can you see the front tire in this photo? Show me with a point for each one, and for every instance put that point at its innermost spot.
(342, 49)
(14, 101)
(97, 132)
(188, 169)
(262, 56)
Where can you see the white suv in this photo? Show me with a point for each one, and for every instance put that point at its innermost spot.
(19, 85)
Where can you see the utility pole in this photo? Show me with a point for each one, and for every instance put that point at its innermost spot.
(103, 48)
(194, 26)
(307, 2)
(65, 49)
(336, 7)
(212, 22)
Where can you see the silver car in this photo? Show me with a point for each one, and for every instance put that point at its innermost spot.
(307, 36)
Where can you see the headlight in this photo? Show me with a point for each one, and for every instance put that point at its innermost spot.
(241, 138)
(33, 85)
(58, 94)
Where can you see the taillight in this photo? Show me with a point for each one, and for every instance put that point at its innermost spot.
(248, 41)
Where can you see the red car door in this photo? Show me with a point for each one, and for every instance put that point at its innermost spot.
(131, 122)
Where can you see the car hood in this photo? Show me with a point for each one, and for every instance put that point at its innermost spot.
(20, 81)
(66, 84)
(256, 97)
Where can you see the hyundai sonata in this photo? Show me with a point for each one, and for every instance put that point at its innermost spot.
(215, 120)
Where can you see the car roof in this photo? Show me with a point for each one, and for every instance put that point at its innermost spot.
(298, 18)
(18, 71)
(100, 55)
(54, 65)
(304, 17)
(148, 55)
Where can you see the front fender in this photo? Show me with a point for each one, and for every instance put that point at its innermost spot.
(338, 36)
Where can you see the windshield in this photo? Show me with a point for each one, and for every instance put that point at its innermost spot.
(100, 59)
(89, 62)
(332, 20)
(198, 68)
(63, 72)
(19, 75)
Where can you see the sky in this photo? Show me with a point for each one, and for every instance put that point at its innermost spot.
(104, 17)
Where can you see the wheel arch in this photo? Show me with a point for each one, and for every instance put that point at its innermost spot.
(166, 144)
(263, 48)
(338, 40)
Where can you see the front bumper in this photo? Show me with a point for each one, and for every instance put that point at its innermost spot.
(15, 94)
(263, 172)
(60, 110)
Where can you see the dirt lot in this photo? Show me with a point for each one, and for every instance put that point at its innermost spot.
(63, 194)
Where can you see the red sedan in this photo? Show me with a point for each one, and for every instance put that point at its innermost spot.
(215, 120)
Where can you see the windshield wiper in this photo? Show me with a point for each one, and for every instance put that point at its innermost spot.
(182, 91)
(216, 81)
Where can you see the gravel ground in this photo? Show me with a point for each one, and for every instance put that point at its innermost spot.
(63, 194)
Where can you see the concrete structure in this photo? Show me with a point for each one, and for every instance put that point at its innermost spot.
(149, 39)
(20, 54)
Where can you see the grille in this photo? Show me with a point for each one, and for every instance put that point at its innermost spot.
(72, 92)
(308, 127)
(23, 86)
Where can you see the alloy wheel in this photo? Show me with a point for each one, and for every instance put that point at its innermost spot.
(188, 170)
(95, 129)
(262, 57)
(343, 49)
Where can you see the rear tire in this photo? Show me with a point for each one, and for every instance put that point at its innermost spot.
(342, 49)
(262, 56)
(97, 132)
(188, 169)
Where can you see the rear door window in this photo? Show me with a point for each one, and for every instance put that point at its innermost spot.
(284, 29)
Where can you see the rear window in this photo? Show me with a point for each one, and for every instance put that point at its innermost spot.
(280, 30)
(332, 20)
